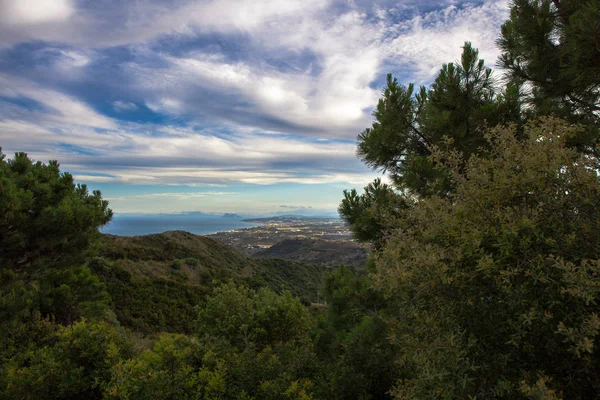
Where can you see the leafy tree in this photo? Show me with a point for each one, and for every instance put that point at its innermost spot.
(349, 297)
(359, 360)
(553, 48)
(172, 369)
(71, 293)
(279, 371)
(47, 223)
(263, 341)
(496, 286)
(246, 318)
(77, 365)
(46, 218)
(367, 214)
(461, 102)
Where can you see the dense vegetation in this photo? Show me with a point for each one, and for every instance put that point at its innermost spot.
(487, 238)
(483, 283)
(156, 281)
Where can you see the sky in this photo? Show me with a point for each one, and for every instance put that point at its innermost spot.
(247, 106)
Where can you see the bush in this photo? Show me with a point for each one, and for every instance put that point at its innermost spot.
(77, 365)
(497, 285)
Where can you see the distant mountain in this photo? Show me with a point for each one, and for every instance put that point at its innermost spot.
(232, 216)
(325, 252)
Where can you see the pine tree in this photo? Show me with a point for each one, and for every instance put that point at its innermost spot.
(455, 109)
(47, 223)
(553, 48)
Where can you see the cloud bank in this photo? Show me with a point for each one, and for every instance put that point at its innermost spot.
(221, 92)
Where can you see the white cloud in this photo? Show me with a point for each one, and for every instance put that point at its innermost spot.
(73, 59)
(165, 195)
(180, 156)
(29, 12)
(200, 177)
(120, 105)
(335, 96)
(330, 96)
(62, 110)
(143, 20)
(426, 42)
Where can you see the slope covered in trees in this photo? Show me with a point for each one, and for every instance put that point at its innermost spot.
(156, 281)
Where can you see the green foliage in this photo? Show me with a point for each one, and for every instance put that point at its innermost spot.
(352, 340)
(496, 286)
(149, 295)
(488, 251)
(280, 371)
(150, 304)
(462, 100)
(554, 48)
(202, 261)
(72, 293)
(47, 224)
(76, 363)
(46, 218)
(300, 279)
(262, 339)
(349, 298)
(245, 318)
(170, 370)
(367, 214)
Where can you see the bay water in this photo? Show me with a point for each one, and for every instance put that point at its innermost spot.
(197, 223)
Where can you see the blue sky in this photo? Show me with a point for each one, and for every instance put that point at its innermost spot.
(217, 105)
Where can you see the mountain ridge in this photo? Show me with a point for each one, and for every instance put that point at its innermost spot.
(157, 280)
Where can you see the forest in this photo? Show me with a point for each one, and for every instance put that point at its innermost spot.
(483, 282)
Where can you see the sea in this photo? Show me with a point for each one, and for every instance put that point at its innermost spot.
(197, 223)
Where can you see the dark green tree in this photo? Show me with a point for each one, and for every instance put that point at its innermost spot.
(262, 340)
(368, 214)
(553, 48)
(75, 363)
(174, 368)
(496, 286)
(461, 102)
(247, 318)
(46, 219)
(47, 223)
(353, 340)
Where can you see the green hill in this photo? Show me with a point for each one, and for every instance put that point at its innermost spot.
(318, 251)
(156, 280)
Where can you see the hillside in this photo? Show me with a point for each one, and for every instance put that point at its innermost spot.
(325, 252)
(156, 280)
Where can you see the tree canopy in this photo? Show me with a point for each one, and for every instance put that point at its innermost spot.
(496, 286)
(552, 48)
(486, 242)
